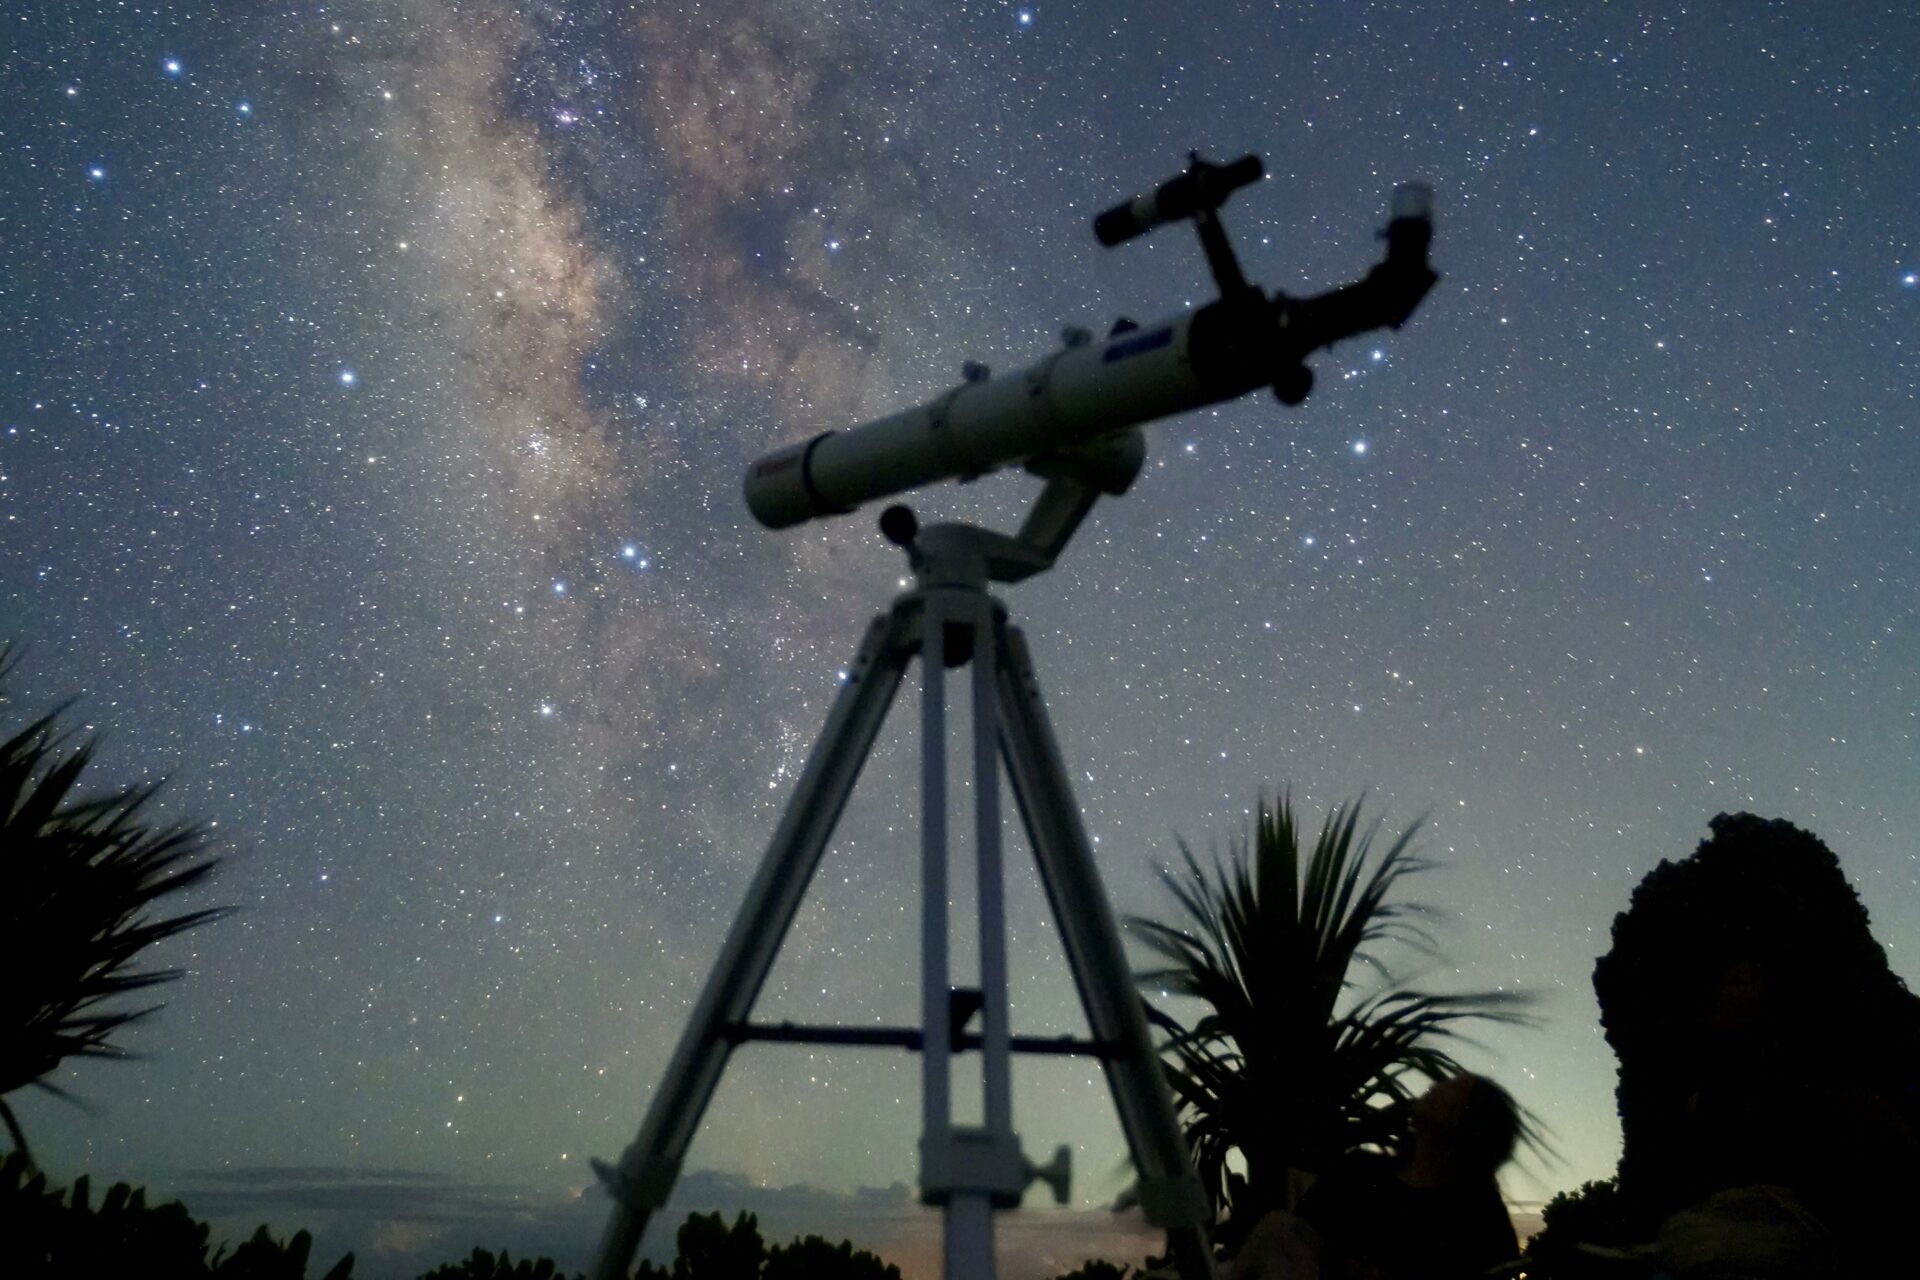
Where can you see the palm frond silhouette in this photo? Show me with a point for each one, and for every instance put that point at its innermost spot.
(1291, 1066)
(80, 877)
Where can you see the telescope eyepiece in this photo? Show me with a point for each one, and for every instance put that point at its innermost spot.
(899, 525)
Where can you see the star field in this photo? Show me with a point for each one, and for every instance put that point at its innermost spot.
(376, 381)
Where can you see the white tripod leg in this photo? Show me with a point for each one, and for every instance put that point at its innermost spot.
(645, 1175)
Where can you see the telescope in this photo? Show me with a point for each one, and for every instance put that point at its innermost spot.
(1070, 403)
(1074, 419)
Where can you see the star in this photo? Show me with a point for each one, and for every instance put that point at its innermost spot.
(510, 435)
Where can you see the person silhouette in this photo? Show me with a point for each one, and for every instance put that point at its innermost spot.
(1433, 1213)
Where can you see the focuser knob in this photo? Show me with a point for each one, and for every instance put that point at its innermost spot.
(1293, 384)
(899, 525)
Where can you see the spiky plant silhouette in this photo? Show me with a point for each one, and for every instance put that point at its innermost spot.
(80, 877)
(1292, 1065)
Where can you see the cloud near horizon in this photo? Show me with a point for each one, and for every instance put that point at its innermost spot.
(399, 1223)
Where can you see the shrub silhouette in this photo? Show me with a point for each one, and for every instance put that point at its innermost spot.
(484, 1266)
(1762, 1038)
(814, 1259)
(1095, 1269)
(1295, 1063)
(711, 1250)
(1589, 1215)
(50, 1234)
(1757, 891)
(47, 1233)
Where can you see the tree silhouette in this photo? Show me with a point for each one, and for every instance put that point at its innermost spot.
(1288, 1069)
(481, 1265)
(709, 1249)
(814, 1259)
(1096, 1269)
(79, 877)
(1762, 1038)
(50, 1234)
(1589, 1215)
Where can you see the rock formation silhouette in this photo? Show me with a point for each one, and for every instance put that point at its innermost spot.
(1761, 1035)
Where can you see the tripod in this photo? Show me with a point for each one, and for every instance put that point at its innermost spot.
(947, 619)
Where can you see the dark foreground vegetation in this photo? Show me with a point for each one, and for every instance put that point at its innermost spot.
(1769, 1073)
(80, 878)
(48, 1232)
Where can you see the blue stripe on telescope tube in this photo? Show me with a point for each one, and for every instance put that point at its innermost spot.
(1150, 341)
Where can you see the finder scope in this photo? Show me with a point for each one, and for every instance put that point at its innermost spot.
(1089, 390)
(1202, 186)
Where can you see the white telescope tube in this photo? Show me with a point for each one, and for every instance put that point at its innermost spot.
(1068, 399)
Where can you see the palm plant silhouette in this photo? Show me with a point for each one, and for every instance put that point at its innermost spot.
(79, 877)
(1290, 1067)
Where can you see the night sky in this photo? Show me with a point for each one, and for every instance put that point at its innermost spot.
(376, 380)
